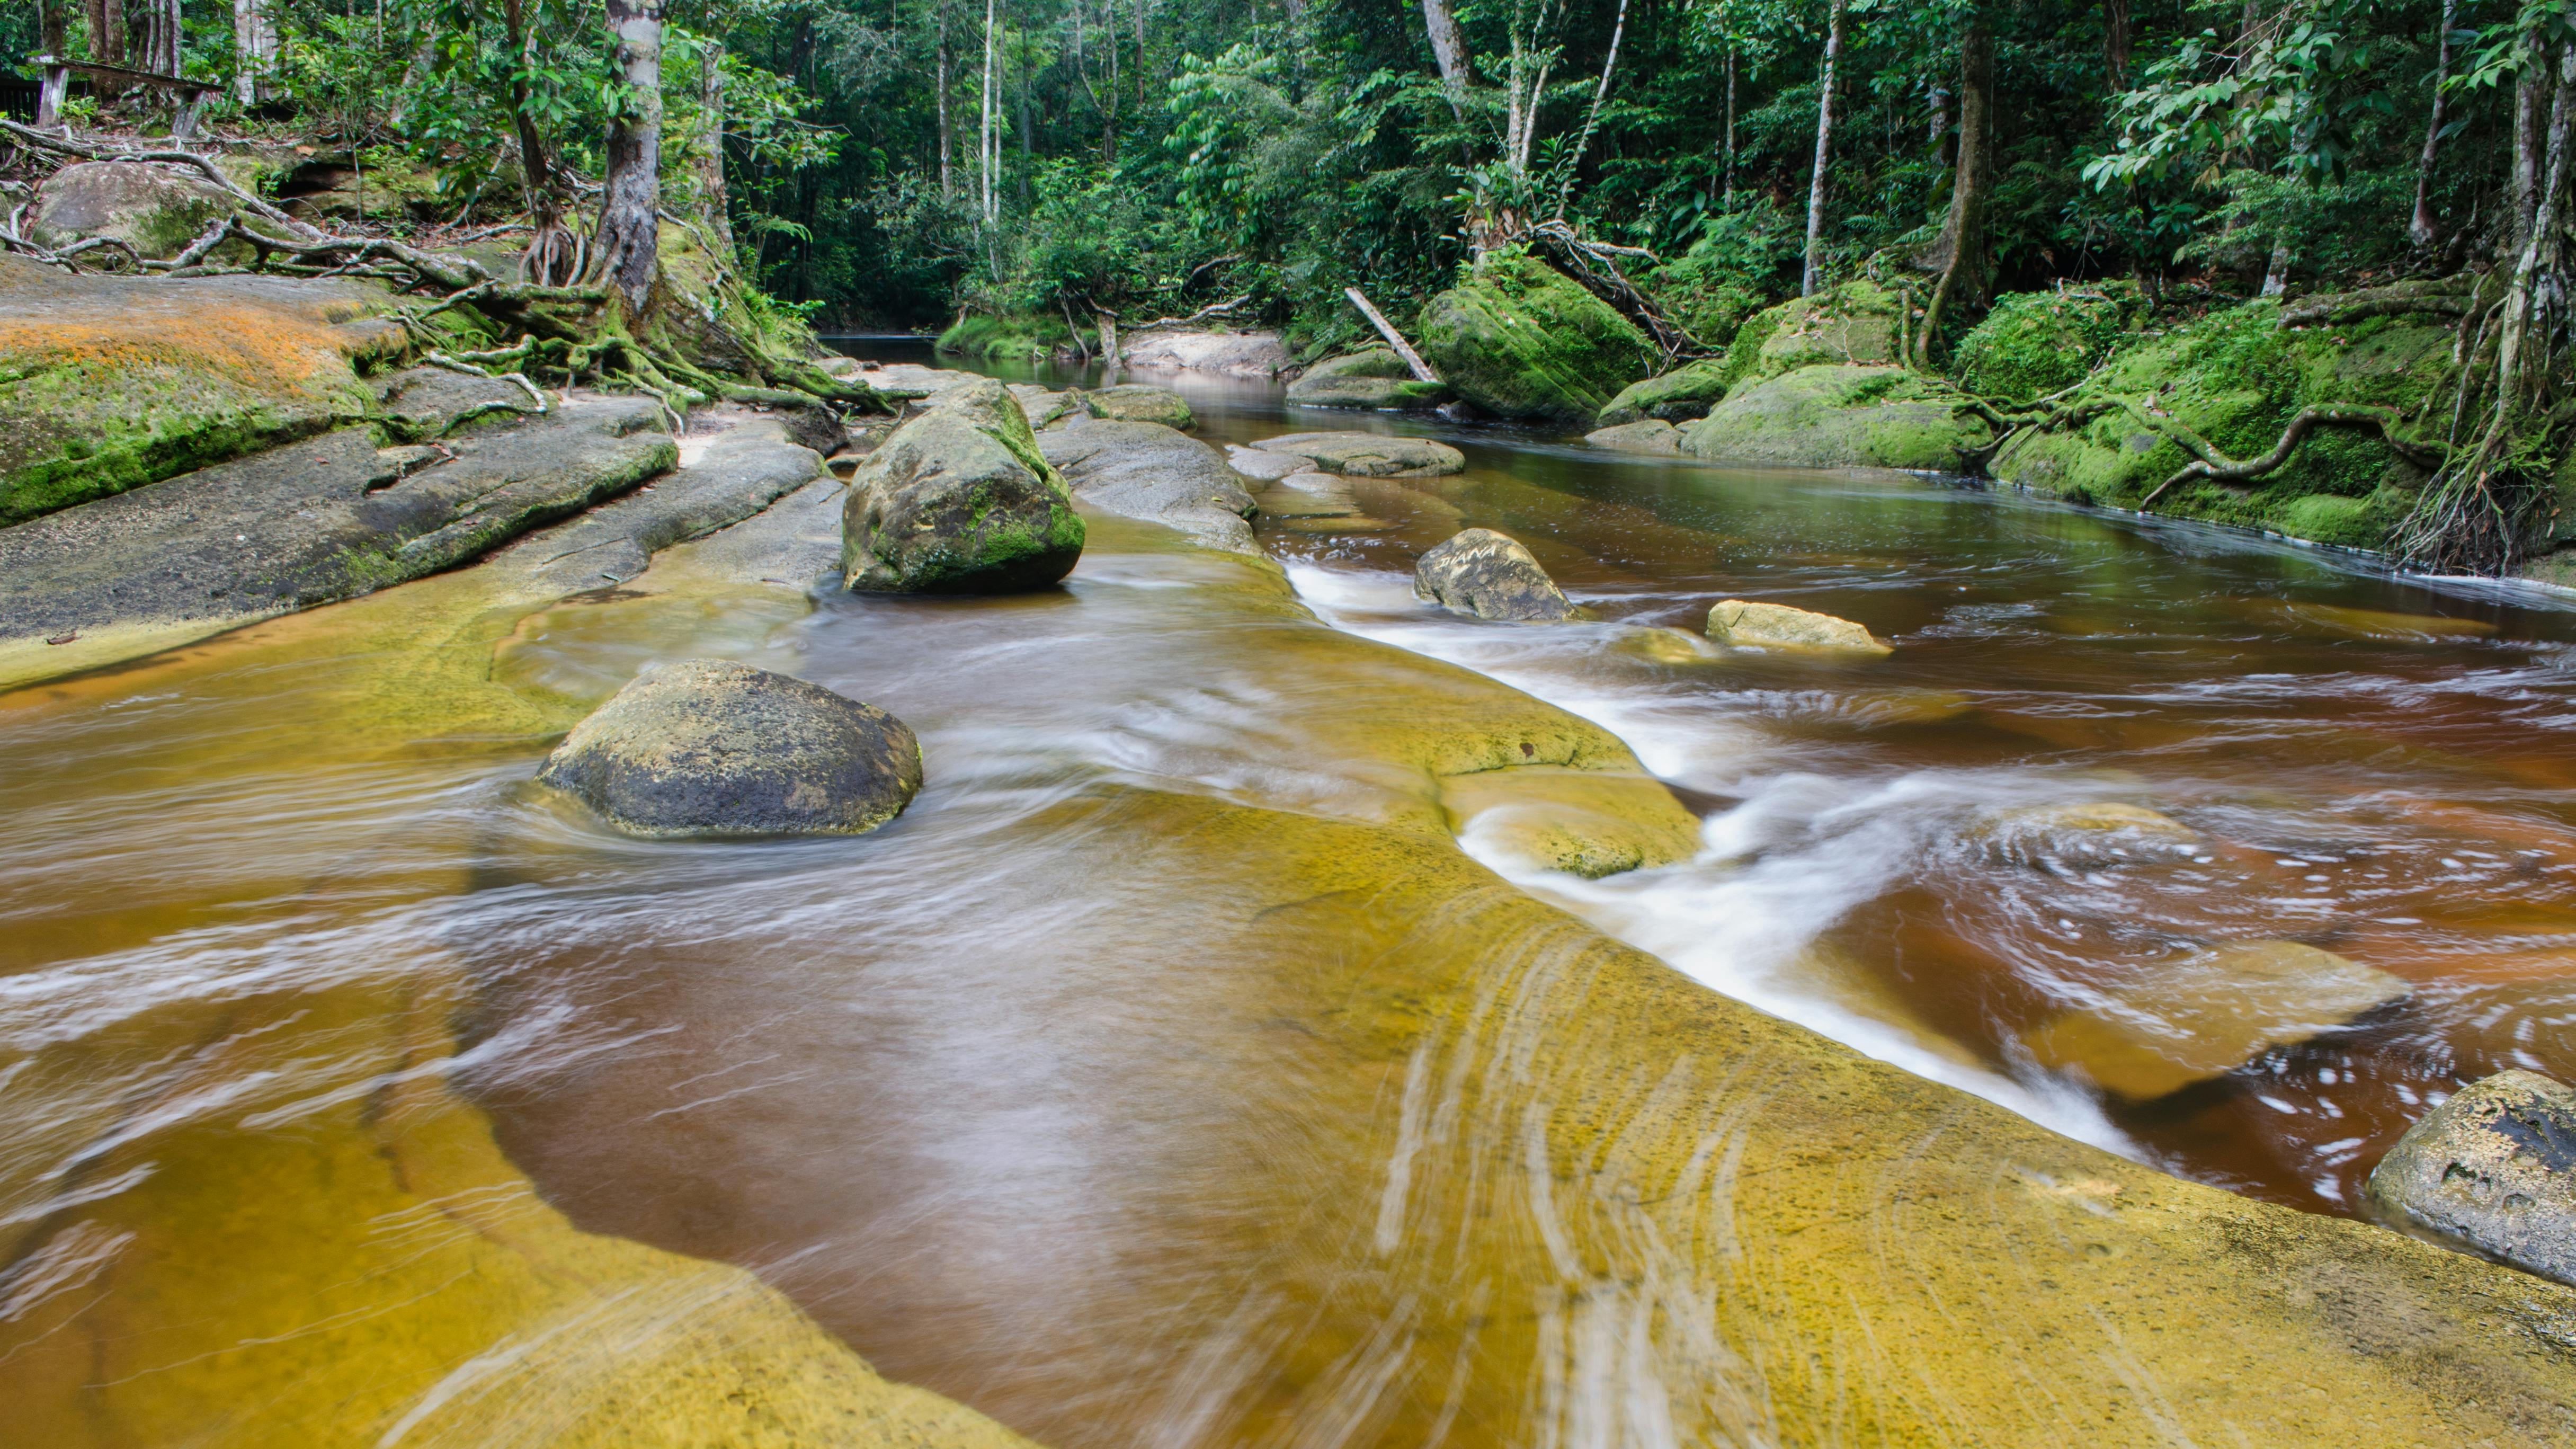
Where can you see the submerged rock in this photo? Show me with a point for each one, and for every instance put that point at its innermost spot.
(1591, 823)
(1841, 416)
(2495, 1168)
(2205, 1016)
(1491, 576)
(1376, 378)
(1520, 339)
(1138, 402)
(1654, 435)
(1263, 466)
(1368, 455)
(1778, 626)
(1672, 397)
(959, 501)
(707, 747)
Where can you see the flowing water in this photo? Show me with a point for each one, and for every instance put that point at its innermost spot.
(1163, 1075)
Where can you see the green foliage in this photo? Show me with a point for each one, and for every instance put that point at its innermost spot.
(2035, 343)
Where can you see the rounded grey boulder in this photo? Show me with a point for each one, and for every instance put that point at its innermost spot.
(1489, 575)
(2495, 1168)
(707, 747)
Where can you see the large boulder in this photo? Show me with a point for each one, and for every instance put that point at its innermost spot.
(1491, 576)
(1853, 324)
(1778, 626)
(1138, 402)
(1841, 416)
(1670, 397)
(1229, 354)
(1520, 339)
(153, 208)
(2205, 1015)
(1653, 435)
(2495, 1168)
(959, 501)
(1705, 297)
(1146, 470)
(707, 747)
(109, 383)
(1368, 455)
(1375, 378)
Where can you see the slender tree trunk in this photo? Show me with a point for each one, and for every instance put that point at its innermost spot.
(1729, 191)
(2537, 298)
(551, 253)
(1143, 73)
(1592, 118)
(1109, 112)
(53, 34)
(2421, 230)
(947, 121)
(1815, 268)
(2116, 41)
(254, 50)
(1963, 232)
(2276, 271)
(984, 151)
(708, 159)
(1028, 143)
(107, 42)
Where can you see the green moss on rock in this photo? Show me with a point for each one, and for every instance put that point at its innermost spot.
(1375, 378)
(1003, 338)
(1520, 339)
(1852, 324)
(2236, 378)
(1674, 397)
(2036, 343)
(1840, 416)
(1703, 297)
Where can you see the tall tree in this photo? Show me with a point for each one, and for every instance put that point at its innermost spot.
(707, 158)
(2420, 228)
(254, 50)
(1814, 274)
(628, 247)
(1962, 248)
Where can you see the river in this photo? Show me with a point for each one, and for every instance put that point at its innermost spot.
(1097, 1091)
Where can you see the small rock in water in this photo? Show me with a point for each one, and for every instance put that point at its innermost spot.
(2209, 1014)
(707, 747)
(2495, 1168)
(1777, 626)
(1138, 402)
(1369, 455)
(1486, 574)
(1653, 435)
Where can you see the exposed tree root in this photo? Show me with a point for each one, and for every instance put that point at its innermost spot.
(2221, 469)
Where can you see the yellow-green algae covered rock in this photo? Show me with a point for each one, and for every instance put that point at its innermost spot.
(1521, 339)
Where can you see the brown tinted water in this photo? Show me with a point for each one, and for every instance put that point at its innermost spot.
(1164, 1076)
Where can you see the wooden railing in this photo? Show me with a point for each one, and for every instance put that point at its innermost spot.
(58, 79)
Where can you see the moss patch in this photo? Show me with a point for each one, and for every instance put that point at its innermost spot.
(2036, 343)
(1000, 338)
(1520, 339)
(1687, 393)
(1829, 416)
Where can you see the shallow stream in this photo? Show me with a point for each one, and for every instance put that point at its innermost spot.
(1089, 1093)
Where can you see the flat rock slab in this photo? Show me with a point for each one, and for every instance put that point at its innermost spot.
(1138, 402)
(1369, 455)
(431, 402)
(316, 521)
(1147, 470)
(902, 381)
(1653, 435)
(2494, 1168)
(1046, 407)
(721, 480)
(1233, 354)
(2205, 1016)
(710, 748)
(1263, 466)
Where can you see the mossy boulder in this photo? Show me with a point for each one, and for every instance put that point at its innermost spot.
(1138, 402)
(1852, 324)
(2493, 1168)
(2036, 343)
(155, 209)
(381, 183)
(109, 383)
(1648, 435)
(1841, 416)
(2235, 378)
(1673, 396)
(959, 501)
(1491, 576)
(1376, 378)
(1520, 339)
(1019, 338)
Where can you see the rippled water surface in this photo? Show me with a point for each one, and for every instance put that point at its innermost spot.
(1047, 1096)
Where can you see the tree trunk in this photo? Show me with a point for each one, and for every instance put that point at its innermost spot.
(984, 135)
(2537, 300)
(1143, 73)
(1729, 191)
(2115, 42)
(53, 33)
(1592, 118)
(630, 212)
(1028, 143)
(1109, 111)
(254, 50)
(2421, 230)
(1815, 269)
(1449, 52)
(2529, 96)
(947, 122)
(552, 255)
(107, 41)
(708, 160)
(1963, 233)
(2276, 272)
